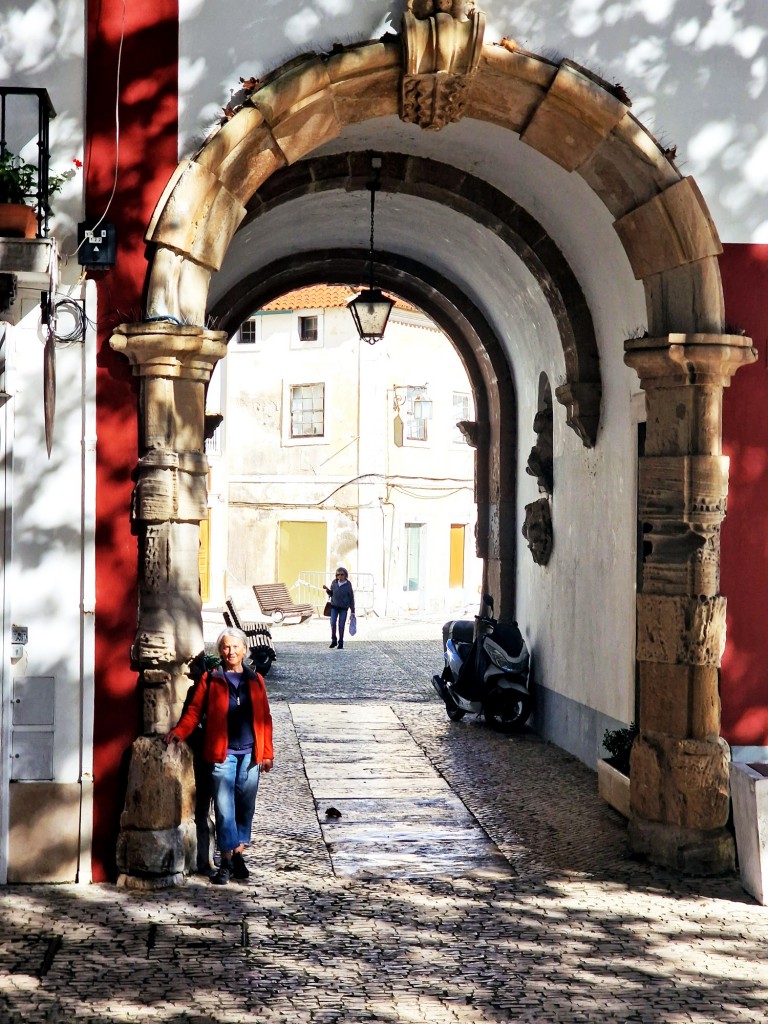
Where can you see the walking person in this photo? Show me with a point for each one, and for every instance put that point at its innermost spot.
(237, 745)
(342, 601)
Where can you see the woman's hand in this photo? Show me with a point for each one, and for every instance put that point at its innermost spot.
(326, 589)
(267, 764)
(172, 737)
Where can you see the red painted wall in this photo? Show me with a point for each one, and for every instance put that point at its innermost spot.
(146, 158)
(744, 576)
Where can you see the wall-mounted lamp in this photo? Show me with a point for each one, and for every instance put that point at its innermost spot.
(371, 308)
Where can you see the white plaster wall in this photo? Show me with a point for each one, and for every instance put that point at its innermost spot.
(43, 47)
(696, 71)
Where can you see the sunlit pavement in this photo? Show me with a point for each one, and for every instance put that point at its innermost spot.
(540, 916)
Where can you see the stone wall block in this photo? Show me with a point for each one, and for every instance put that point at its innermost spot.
(689, 299)
(671, 229)
(574, 117)
(689, 851)
(683, 783)
(161, 785)
(680, 630)
(156, 495)
(684, 421)
(157, 701)
(687, 489)
(679, 700)
(162, 854)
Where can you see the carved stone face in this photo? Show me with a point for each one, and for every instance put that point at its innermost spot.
(537, 530)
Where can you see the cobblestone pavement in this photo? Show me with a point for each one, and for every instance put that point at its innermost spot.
(574, 931)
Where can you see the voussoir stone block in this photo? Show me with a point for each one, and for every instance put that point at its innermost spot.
(178, 287)
(573, 118)
(161, 785)
(671, 229)
(251, 163)
(365, 81)
(679, 629)
(199, 217)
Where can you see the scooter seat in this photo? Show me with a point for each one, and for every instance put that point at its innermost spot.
(459, 630)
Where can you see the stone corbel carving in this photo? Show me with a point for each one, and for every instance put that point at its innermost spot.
(537, 530)
(442, 41)
(582, 404)
(476, 433)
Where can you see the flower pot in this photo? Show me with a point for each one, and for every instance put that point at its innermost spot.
(17, 221)
(613, 787)
(749, 792)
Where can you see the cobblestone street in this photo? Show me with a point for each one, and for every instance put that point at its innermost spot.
(559, 926)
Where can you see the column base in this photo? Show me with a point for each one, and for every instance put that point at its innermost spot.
(687, 850)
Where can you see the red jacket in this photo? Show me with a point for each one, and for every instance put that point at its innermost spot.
(211, 697)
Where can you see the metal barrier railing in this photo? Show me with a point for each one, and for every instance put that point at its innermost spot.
(308, 589)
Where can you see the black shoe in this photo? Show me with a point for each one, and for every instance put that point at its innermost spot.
(224, 873)
(239, 869)
(340, 645)
(332, 643)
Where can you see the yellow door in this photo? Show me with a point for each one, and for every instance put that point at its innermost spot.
(302, 549)
(204, 559)
(456, 564)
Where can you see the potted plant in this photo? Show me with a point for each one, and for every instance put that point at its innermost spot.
(613, 771)
(18, 185)
(17, 180)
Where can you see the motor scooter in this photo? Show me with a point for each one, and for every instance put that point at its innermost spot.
(486, 670)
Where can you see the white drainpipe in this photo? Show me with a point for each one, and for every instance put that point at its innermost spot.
(88, 587)
(6, 687)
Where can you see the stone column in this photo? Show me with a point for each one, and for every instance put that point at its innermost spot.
(157, 843)
(679, 762)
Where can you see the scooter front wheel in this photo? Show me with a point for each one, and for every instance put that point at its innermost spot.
(508, 714)
(455, 713)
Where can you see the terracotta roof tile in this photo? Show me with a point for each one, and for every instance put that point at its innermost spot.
(321, 296)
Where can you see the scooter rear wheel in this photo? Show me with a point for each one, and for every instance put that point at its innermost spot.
(506, 715)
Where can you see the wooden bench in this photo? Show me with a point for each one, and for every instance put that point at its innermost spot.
(275, 601)
(259, 638)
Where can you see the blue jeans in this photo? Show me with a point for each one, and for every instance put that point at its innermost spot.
(339, 614)
(234, 799)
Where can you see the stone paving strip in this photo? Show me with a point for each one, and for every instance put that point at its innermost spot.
(574, 932)
(383, 808)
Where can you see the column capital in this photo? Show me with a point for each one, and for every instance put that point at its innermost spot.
(162, 349)
(679, 360)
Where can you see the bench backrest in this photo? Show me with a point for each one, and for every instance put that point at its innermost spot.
(272, 597)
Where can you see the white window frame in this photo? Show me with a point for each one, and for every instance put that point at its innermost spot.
(250, 345)
(296, 341)
(456, 435)
(310, 439)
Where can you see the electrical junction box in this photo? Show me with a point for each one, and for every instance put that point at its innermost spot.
(96, 245)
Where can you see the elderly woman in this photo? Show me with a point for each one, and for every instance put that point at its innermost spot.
(237, 745)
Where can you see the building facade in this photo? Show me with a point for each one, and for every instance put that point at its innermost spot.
(574, 194)
(330, 462)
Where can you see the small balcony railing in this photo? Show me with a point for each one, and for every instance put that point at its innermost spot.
(25, 115)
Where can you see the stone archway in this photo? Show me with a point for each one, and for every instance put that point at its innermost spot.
(437, 72)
